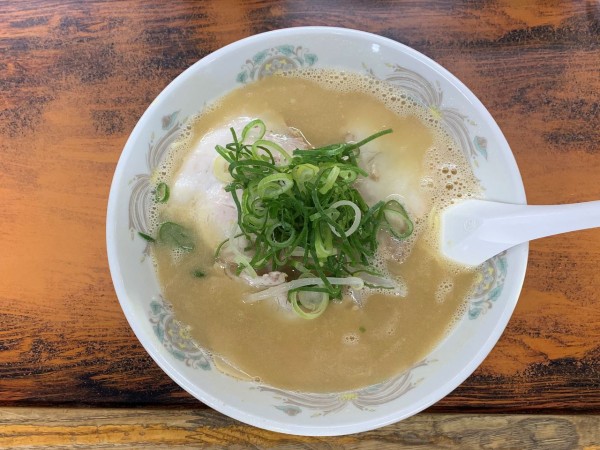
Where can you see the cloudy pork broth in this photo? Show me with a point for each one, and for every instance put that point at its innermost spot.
(368, 336)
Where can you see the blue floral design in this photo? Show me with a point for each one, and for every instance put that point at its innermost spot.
(175, 337)
(282, 58)
(489, 286)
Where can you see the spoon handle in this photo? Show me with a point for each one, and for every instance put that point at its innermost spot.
(514, 224)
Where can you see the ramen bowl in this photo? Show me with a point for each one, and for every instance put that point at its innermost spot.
(165, 339)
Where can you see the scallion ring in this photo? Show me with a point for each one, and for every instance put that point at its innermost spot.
(397, 220)
(280, 229)
(357, 216)
(270, 147)
(330, 179)
(161, 194)
(300, 307)
(304, 173)
(274, 185)
(256, 123)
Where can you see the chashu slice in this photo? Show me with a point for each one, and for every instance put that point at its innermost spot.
(197, 191)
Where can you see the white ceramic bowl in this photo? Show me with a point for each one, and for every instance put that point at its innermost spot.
(454, 359)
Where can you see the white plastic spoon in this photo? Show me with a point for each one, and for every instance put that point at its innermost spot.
(475, 230)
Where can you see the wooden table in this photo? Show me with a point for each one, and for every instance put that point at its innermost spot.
(74, 78)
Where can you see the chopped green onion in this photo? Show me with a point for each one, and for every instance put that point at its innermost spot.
(146, 237)
(269, 147)
(256, 123)
(161, 194)
(175, 236)
(397, 220)
(198, 273)
(287, 235)
(304, 173)
(330, 179)
(308, 309)
(302, 211)
(324, 241)
(274, 185)
(357, 216)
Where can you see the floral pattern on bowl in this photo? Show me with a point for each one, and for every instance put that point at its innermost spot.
(274, 60)
(424, 92)
(176, 337)
(140, 200)
(365, 399)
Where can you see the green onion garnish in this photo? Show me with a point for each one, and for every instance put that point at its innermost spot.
(198, 273)
(175, 236)
(146, 237)
(301, 211)
(161, 194)
(311, 308)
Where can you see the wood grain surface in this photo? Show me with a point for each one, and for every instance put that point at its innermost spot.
(74, 78)
(56, 428)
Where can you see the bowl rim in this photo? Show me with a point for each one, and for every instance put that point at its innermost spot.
(238, 413)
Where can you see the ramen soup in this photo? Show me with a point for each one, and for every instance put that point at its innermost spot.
(232, 286)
